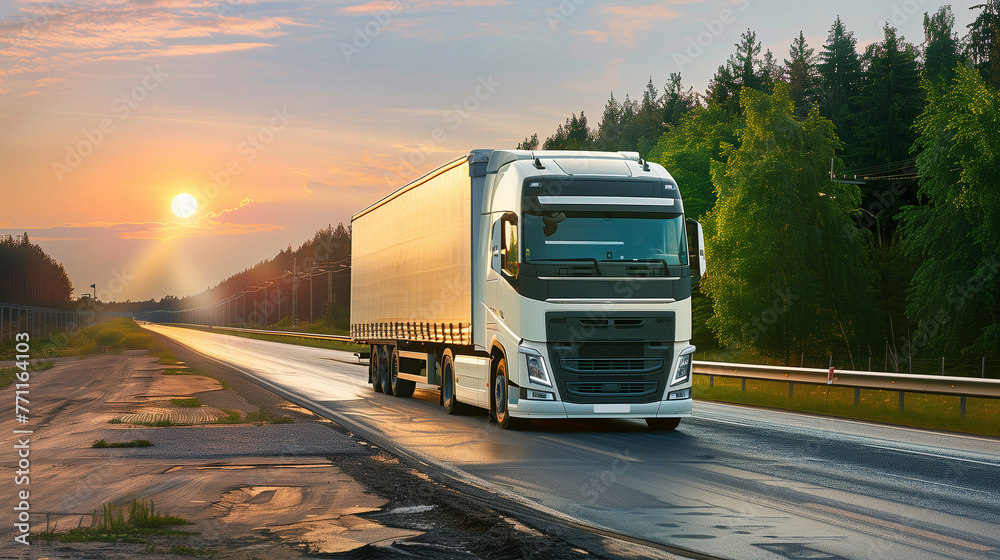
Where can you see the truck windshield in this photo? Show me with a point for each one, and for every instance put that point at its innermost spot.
(605, 236)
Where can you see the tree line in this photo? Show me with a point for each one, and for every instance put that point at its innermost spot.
(29, 276)
(850, 198)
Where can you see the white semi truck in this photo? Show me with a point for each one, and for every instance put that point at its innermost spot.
(533, 284)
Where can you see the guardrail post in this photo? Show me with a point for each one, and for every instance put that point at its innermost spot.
(791, 390)
(857, 396)
(711, 381)
(902, 400)
(962, 406)
(744, 380)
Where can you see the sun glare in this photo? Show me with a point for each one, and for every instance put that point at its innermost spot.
(184, 205)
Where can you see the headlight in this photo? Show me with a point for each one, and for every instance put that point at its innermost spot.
(536, 367)
(683, 373)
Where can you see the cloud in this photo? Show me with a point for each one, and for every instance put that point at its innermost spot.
(625, 23)
(51, 38)
(414, 6)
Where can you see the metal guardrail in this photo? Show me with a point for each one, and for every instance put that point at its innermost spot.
(963, 387)
(902, 383)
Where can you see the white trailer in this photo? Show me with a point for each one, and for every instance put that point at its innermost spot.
(539, 284)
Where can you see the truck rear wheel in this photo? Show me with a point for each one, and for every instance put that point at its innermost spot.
(504, 418)
(448, 397)
(400, 387)
(663, 424)
(375, 369)
(386, 355)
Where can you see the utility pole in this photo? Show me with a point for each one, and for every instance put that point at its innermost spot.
(295, 287)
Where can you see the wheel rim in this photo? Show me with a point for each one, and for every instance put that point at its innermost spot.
(393, 368)
(500, 392)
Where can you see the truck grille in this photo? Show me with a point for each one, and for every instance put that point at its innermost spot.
(606, 389)
(612, 357)
(611, 365)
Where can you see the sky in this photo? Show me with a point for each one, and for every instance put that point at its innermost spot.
(283, 117)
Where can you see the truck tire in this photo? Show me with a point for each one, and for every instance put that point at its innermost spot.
(448, 397)
(375, 369)
(663, 424)
(385, 354)
(504, 419)
(400, 387)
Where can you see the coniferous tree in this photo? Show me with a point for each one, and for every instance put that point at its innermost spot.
(802, 74)
(941, 49)
(890, 101)
(574, 135)
(840, 78)
(746, 68)
(983, 41)
(529, 143)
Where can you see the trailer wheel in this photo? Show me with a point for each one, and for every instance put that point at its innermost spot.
(385, 354)
(448, 397)
(663, 424)
(504, 418)
(400, 387)
(375, 369)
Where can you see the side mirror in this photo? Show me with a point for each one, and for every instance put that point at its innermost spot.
(696, 250)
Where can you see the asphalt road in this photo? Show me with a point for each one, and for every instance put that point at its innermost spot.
(731, 482)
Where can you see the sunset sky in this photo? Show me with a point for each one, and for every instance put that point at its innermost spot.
(283, 117)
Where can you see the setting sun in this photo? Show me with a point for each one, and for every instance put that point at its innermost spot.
(184, 205)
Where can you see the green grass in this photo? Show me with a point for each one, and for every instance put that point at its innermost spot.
(9, 374)
(192, 402)
(101, 444)
(232, 417)
(113, 336)
(935, 412)
(121, 524)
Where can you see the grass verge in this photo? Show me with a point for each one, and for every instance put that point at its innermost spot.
(934, 412)
(126, 524)
(192, 402)
(9, 374)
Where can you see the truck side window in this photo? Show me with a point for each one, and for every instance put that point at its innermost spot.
(509, 256)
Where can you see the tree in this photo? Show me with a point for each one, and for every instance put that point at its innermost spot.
(983, 41)
(889, 102)
(744, 69)
(941, 52)
(574, 135)
(802, 75)
(840, 78)
(954, 298)
(784, 278)
(30, 276)
(688, 150)
(529, 143)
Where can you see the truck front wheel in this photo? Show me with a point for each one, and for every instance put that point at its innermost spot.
(448, 397)
(504, 418)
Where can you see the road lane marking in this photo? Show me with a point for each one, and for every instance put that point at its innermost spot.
(932, 455)
(586, 448)
(899, 527)
(921, 481)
